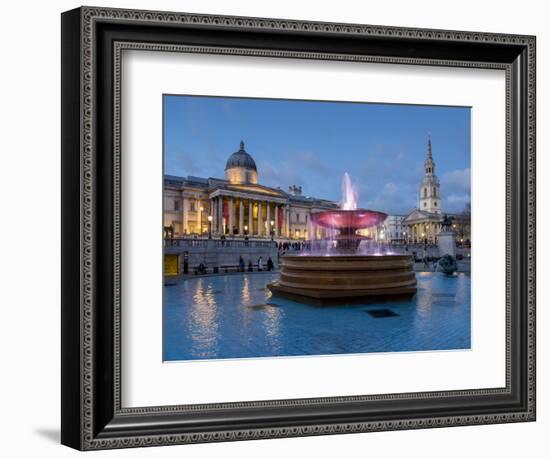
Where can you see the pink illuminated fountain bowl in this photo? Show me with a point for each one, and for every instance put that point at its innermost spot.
(348, 222)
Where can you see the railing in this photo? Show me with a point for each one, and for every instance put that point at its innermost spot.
(216, 243)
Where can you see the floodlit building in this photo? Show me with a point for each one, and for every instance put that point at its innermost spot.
(424, 222)
(238, 205)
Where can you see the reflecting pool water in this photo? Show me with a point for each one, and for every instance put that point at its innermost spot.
(235, 316)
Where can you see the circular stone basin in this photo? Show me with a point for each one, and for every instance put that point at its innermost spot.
(348, 221)
(338, 279)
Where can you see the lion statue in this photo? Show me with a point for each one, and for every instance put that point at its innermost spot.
(447, 265)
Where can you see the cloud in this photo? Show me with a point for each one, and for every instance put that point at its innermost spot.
(392, 199)
(455, 190)
(456, 181)
(184, 164)
(269, 173)
(204, 163)
(282, 175)
(310, 161)
(455, 203)
(301, 168)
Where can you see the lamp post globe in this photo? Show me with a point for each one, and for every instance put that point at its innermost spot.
(209, 226)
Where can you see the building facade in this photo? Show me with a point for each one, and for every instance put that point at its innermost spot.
(424, 222)
(394, 229)
(238, 206)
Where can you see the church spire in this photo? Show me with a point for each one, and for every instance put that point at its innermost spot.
(429, 199)
(429, 164)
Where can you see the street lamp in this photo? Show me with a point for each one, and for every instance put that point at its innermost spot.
(245, 229)
(209, 226)
(272, 232)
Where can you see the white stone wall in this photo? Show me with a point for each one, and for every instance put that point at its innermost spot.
(394, 227)
(299, 221)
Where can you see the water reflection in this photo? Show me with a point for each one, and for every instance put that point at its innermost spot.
(245, 291)
(441, 311)
(202, 322)
(272, 322)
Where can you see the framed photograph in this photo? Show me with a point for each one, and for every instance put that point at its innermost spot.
(278, 228)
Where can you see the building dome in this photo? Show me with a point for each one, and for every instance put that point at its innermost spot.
(241, 167)
(241, 159)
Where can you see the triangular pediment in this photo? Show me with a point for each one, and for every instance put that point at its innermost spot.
(419, 215)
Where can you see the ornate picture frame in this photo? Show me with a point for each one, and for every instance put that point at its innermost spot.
(92, 413)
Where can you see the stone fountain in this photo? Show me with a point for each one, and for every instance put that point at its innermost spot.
(344, 273)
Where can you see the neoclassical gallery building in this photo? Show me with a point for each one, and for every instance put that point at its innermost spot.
(238, 205)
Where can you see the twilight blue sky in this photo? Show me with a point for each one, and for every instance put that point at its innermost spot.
(312, 144)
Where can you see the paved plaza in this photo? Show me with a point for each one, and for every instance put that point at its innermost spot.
(234, 316)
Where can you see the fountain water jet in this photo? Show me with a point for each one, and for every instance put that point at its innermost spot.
(344, 273)
(349, 194)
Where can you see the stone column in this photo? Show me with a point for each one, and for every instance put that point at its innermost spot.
(268, 219)
(250, 217)
(183, 215)
(231, 215)
(260, 223)
(276, 220)
(283, 228)
(241, 216)
(220, 214)
(287, 222)
(212, 213)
